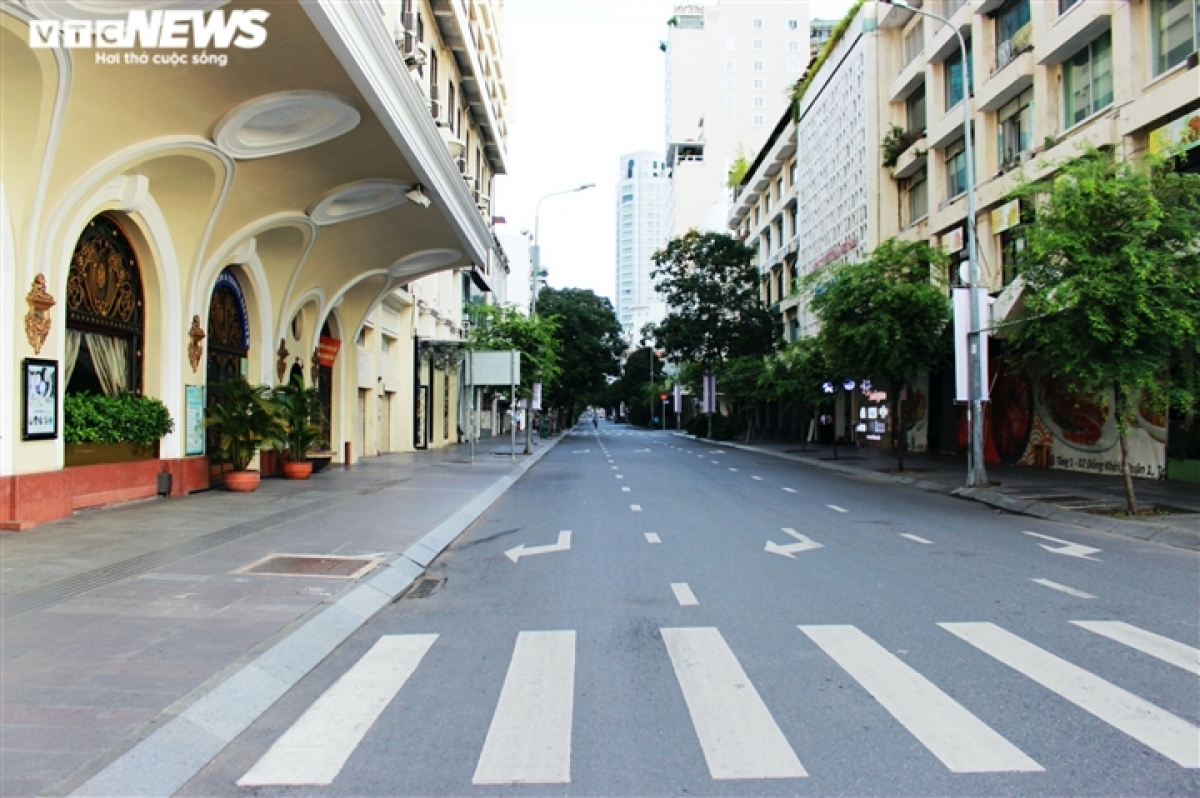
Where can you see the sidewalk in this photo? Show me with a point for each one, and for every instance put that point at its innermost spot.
(1054, 494)
(120, 624)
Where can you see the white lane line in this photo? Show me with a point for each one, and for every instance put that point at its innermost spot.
(614, 468)
(1063, 588)
(652, 537)
(684, 594)
(963, 742)
(529, 741)
(1166, 649)
(714, 462)
(790, 490)
(916, 538)
(733, 469)
(637, 508)
(835, 508)
(1173, 737)
(619, 476)
(739, 737)
(758, 478)
(625, 489)
(316, 746)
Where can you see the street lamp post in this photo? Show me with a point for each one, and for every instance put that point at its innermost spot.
(535, 276)
(976, 470)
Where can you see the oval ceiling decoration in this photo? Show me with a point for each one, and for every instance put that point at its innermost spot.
(277, 123)
(106, 9)
(357, 199)
(424, 260)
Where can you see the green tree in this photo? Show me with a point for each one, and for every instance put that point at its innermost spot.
(589, 346)
(715, 311)
(885, 319)
(1112, 276)
(796, 379)
(635, 389)
(745, 381)
(503, 327)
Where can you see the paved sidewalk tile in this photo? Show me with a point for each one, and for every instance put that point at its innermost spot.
(114, 617)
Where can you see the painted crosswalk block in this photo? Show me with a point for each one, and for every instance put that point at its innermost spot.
(529, 739)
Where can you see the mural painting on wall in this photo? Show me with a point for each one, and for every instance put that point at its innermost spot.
(916, 415)
(1044, 424)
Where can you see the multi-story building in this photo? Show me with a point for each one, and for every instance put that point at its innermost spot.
(305, 191)
(642, 193)
(1044, 79)
(728, 69)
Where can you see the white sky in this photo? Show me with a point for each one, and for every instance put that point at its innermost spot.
(586, 84)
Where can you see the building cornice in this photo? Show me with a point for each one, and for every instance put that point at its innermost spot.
(356, 35)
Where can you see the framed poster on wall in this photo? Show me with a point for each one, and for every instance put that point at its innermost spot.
(195, 419)
(41, 399)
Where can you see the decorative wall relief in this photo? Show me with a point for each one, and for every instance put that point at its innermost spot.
(281, 361)
(37, 320)
(196, 333)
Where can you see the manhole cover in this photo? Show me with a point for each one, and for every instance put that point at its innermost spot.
(312, 565)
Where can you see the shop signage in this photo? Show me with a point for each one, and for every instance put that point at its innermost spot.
(327, 351)
(195, 419)
(835, 253)
(1179, 135)
(1006, 217)
(41, 399)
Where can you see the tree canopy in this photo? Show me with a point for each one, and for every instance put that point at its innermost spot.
(1112, 276)
(503, 327)
(588, 336)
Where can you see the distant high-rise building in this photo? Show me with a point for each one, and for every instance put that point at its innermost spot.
(729, 67)
(641, 230)
(822, 30)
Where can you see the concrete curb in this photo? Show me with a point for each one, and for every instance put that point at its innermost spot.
(1140, 530)
(170, 756)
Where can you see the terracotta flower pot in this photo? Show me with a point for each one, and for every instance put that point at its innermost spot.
(301, 470)
(241, 481)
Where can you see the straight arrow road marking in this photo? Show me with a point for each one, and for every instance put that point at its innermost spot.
(963, 742)
(1164, 648)
(835, 508)
(1154, 727)
(916, 538)
(563, 544)
(1068, 548)
(316, 747)
(1063, 588)
(789, 550)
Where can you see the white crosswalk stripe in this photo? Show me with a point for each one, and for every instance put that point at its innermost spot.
(529, 741)
(739, 737)
(1171, 736)
(1166, 649)
(316, 747)
(960, 740)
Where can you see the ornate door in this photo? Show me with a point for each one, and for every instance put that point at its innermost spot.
(228, 346)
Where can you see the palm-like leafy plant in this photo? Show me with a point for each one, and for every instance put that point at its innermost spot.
(245, 419)
(299, 411)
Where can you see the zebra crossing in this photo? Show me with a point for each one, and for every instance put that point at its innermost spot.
(529, 738)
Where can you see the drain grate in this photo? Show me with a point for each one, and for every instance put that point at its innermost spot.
(311, 565)
(425, 588)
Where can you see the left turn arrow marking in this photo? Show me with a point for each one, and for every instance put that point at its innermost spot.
(563, 544)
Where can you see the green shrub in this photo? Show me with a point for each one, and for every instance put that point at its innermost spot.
(125, 418)
(723, 427)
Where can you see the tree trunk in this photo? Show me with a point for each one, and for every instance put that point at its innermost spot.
(1122, 430)
(898, 429)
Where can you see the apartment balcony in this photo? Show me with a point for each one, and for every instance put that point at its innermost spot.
(911, 76)
(1082, 23)
(944, 42)
(912, 159)
(1009, 80)
(949, 126)
(1163, 100)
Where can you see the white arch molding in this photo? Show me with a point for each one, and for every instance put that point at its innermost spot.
(131, 197)
(251, 267)
(8, 326)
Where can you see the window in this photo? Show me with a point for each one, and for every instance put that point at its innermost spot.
(759, 121)
(916, 198)
(1065, 5)
(757, 44)
(1173, 28)
(793, 66)
(757, 23)
(760, 102)
(758, 66)
(730, 44)
(793, 46)
(1088, 80)
(956, 169)
(914, 111)
(730, 100)
(729, 65)
(759, 83)
(793, 24)
(730, 82)
(792, 174)
(1015, 129)
(914, 42)
(1013, 31)
(954, 77)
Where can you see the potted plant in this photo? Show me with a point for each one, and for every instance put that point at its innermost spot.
(245, 418)
(299, 412)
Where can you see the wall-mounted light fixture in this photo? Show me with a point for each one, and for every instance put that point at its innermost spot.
(416, 195)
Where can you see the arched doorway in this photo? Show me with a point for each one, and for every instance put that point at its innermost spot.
(228, 348)
(105, 313)
(323, 360)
